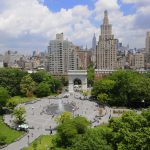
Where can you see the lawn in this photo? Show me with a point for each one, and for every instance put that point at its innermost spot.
(10, 134)
(20, 100)
(42, 143)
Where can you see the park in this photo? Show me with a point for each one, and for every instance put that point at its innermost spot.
(42, 114)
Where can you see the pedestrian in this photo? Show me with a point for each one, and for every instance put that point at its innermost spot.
(109, 116)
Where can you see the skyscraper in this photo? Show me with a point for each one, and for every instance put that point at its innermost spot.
(61, 55)
(106, 50)
(148, 43)
(94, 42)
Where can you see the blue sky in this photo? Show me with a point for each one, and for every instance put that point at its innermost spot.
(56, 5)
(28, 25)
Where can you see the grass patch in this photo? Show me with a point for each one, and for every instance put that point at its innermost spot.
(19, 99)
(42, 143)
(14, 101)
(10, 134)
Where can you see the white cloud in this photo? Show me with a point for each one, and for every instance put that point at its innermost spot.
(30, 21)
(136, 1)
(130, 29)
(29, 25)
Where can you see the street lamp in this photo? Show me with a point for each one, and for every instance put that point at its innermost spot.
(143, 101)
(28, 139)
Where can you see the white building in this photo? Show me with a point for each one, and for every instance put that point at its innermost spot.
(139, 61)
(61, 55)
(11, 58)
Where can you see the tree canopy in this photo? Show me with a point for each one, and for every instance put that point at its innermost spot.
(3, 97)
(27, 86)
(10, 78)
(123, 88)
(69, 129)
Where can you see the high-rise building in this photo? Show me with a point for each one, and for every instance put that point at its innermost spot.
(147, 51)
(94, 42)
(148, 43)
(61, 55)
(106, 50)
(94, 49)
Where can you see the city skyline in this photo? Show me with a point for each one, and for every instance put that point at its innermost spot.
(30, 25)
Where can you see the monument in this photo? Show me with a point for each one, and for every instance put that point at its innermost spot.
(77, 75)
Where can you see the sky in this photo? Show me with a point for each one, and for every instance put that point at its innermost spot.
(28, 25)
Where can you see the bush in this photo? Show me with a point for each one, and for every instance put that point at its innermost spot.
(42, 90)
(2, 140)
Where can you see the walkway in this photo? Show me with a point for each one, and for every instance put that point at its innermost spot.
(42, 122)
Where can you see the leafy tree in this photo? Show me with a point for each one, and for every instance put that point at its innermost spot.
(90, 75)
(63, 117)
(103, 86)
(12, 103)
(102, 98)
(66, 134)
(146, 114)
(19, 114)
(94, 139)
(27, 86)
(69, 129)
(124, 88)
(41, 76)
(81, 124)
(10, 78)
(57, 86)
(64, 80)
(42, 90)
(3, 97)
(129, 132)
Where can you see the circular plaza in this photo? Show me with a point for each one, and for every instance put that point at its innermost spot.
(41, 116)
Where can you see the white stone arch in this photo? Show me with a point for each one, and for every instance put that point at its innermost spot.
(77, 74)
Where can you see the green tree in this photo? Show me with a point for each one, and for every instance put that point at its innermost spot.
(42, 76)
(94, 139)
(12, 103)
(42, 90)
(130, 131)
(27, 86)
(81, 124)
(10, 78)
(69, 129)
(65, 116)
(146, 114)
(57, 86)
(124, 88)
(3, 97)
(102, 98)
(19, 114)
(66, 133)
(90, 75)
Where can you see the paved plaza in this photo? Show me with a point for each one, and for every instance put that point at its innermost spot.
(40, 122)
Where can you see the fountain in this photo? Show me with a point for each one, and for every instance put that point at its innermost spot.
(58, 108)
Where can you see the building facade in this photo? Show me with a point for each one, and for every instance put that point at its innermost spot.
(148, 43)
(106, 50)
(61, 56)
